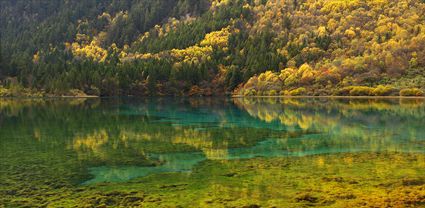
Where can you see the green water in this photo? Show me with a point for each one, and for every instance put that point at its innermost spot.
(58, 152)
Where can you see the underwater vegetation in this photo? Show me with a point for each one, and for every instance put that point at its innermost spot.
(341, 180)
(212, 153)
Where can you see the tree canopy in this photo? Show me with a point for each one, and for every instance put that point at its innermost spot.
(206, 47)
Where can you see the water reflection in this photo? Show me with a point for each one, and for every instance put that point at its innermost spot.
(121, 139)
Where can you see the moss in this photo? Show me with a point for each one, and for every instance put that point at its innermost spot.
(306, 197)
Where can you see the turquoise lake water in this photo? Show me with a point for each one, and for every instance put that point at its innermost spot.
(115, 140)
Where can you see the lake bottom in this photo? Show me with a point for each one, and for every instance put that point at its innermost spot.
(333, 180)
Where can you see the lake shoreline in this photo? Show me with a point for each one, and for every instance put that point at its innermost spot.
(333, 96)
(46, 97)
(231, 96)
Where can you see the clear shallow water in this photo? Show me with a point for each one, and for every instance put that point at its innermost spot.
(115, 140)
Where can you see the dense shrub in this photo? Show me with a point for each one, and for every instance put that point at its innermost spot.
(93, 91)
(411, 92)
(250, 92)
(4, 92)
(383, 90)
(361, 91)
(283, 92)
(272, 93)
(298, 91)
(344, 91)
(76, 93)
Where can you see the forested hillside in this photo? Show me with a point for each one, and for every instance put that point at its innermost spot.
(212, 47)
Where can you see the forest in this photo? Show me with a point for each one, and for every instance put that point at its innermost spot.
(212, 47)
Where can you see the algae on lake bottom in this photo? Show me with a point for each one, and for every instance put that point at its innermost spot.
(339, 180)
(212, 153)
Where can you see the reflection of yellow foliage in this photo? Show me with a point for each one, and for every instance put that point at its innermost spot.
(305, 122)
(12, 107)
(192, 137)
(92, 141)
(77, 101)
(313, 116)
(215, 153)
(201, 140)
(37, 134)
(126, 136)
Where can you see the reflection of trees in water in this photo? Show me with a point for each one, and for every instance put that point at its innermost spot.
(101, 131)
(345, 123)
(147, 138)
(56, 141)
(269, 109)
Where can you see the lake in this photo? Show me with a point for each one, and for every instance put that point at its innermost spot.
(212, 152)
